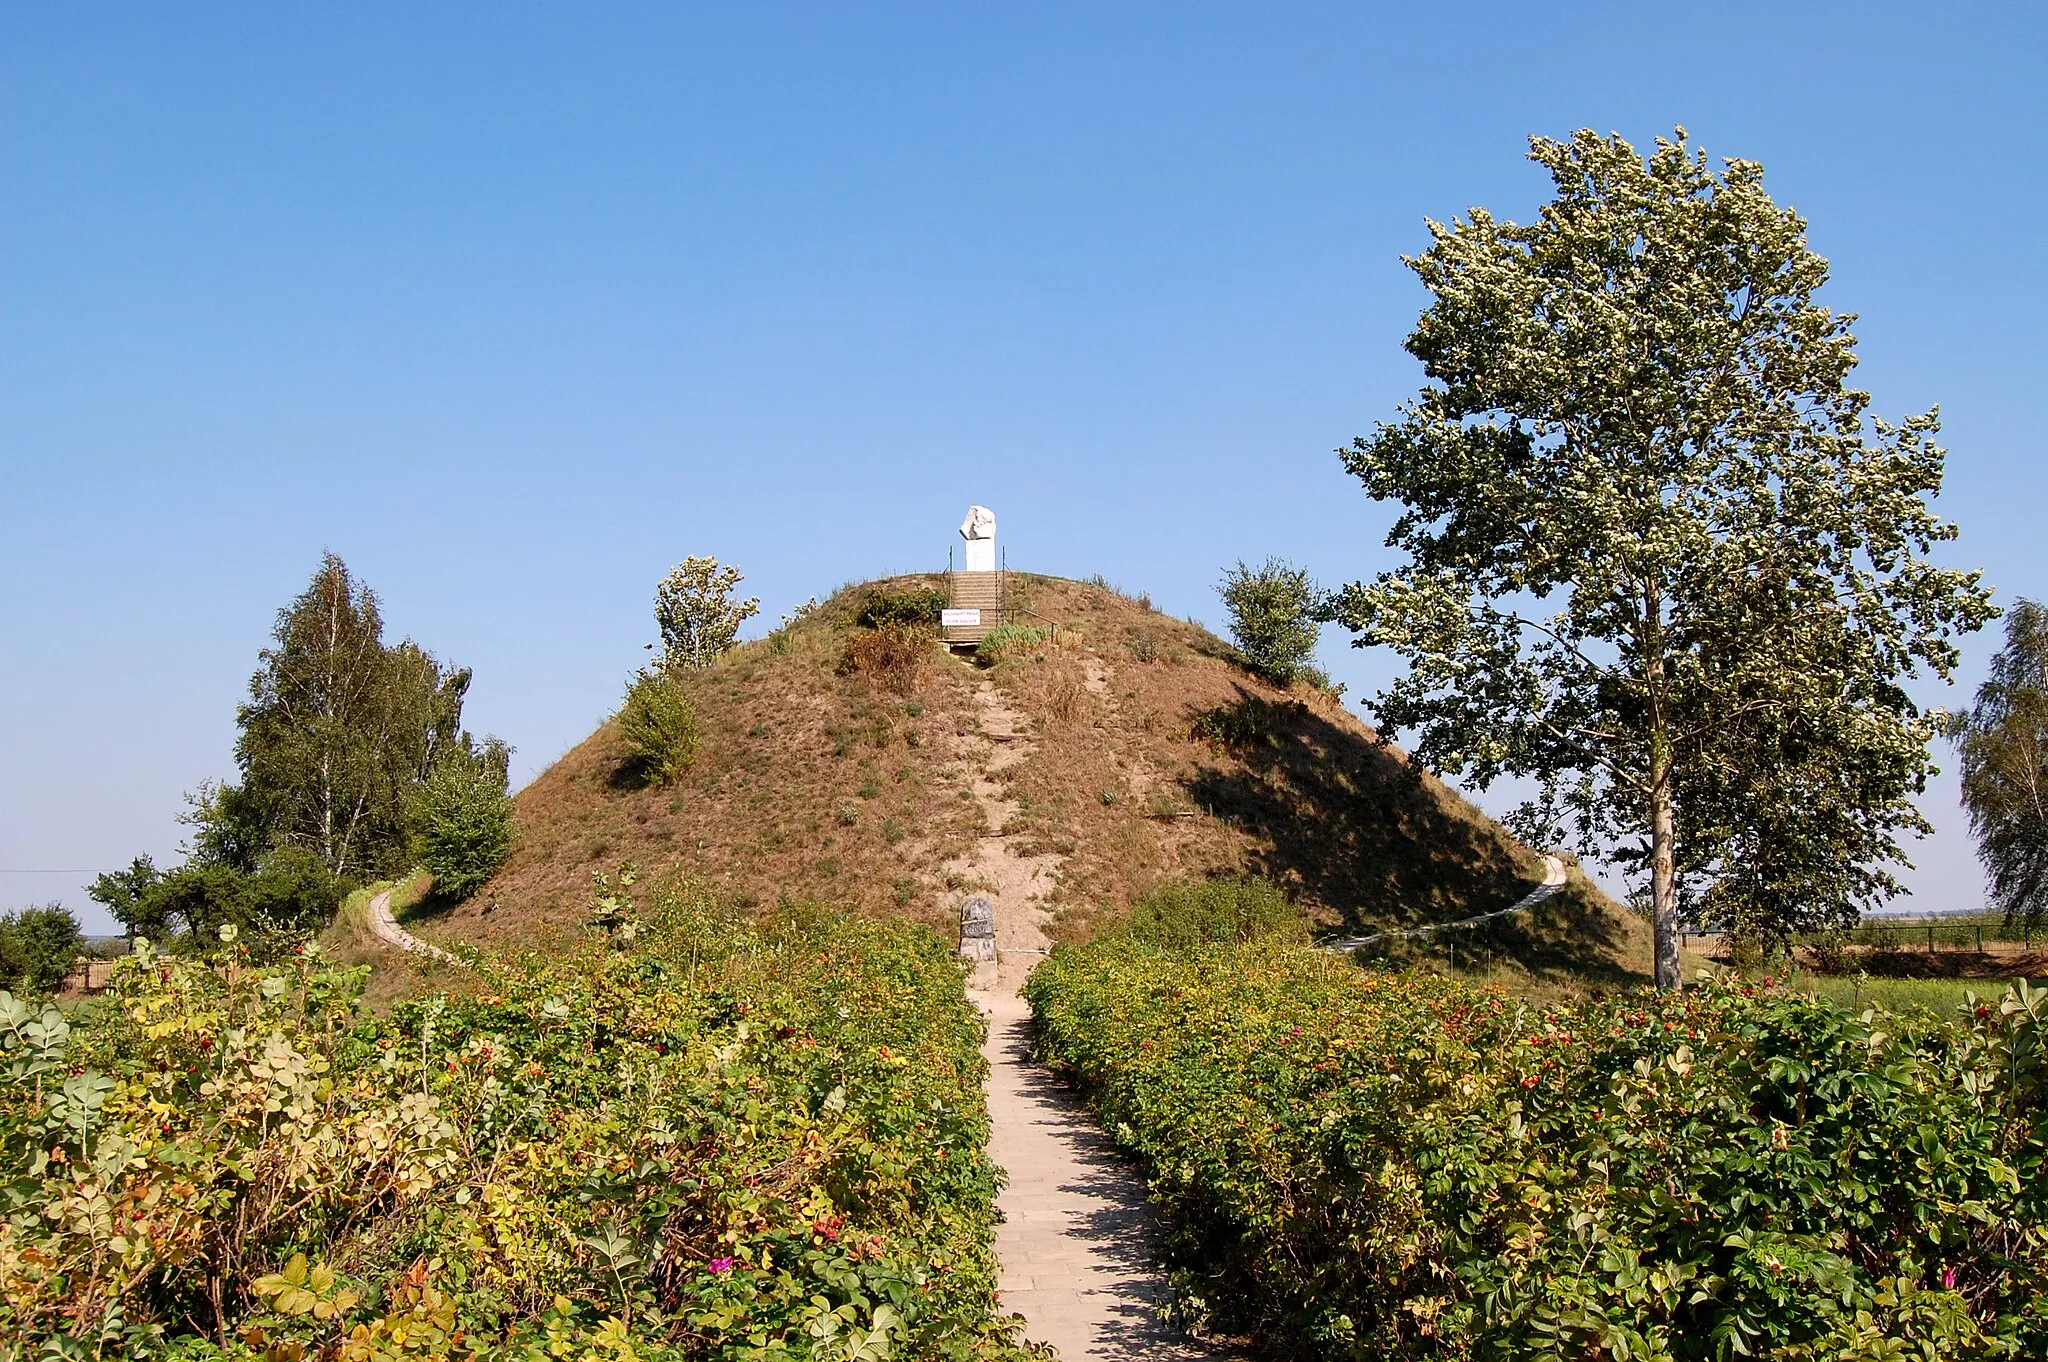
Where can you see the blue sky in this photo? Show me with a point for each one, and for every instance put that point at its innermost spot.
(513, 306)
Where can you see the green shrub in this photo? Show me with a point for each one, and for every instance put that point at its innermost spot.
(999, 642)
(1355, 1165)
(290, 894)
(733, 1139)
(1273, 618)
(1217, 912)
(462, 826)
(915, 607)
(659, 727)
(37, 946)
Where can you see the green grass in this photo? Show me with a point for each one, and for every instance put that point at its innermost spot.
(1896, 995)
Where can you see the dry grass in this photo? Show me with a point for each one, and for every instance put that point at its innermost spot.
(1154, 758)
(788, 745)
(896, 660)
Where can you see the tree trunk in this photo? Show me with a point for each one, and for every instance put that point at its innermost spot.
(1664, 881)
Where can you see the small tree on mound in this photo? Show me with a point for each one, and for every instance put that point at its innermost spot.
(1273, 616)
(659, 726)
(462, 820)
(699, 619)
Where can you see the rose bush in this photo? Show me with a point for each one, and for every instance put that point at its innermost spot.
(1364, 1165)
(734, 1138)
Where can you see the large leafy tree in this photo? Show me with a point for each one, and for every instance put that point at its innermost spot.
(338, 730)
(2003, 741)
(1658, 553)
(340, 739)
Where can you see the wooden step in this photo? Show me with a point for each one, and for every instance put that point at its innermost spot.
(981, 591)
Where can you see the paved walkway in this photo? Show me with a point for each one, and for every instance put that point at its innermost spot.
(1077, 1231)
(386, 929)
(1554, 877)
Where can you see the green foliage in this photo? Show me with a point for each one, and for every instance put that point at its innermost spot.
(1003, 640)
(758, 1141)
(291, 892)
(659, 726)
(1659, 553)
(1274, 610)
(916, 606)
(1216, 912)
(231, 825)
(338, 730)
(698, 618)
(37, 946)
(340, 735)
(461, 820)
(123, 891)
(2003, 740)
(1357, 1165)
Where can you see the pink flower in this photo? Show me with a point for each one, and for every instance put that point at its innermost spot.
(718, 1267)
(1948, 1278)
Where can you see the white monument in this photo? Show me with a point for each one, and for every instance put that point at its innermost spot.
(979, 530)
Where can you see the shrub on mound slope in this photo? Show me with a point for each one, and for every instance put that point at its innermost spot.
(1361, 1166)
(737, 1140)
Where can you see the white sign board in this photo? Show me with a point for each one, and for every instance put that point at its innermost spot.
(954, 619)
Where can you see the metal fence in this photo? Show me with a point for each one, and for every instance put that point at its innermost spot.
(1922, 934)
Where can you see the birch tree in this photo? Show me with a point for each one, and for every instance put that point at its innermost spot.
(340, 728)
(1652, 537)
(2003, 740)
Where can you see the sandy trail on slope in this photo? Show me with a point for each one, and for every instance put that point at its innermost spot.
(1076, 1237)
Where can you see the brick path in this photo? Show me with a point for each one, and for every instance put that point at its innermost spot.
(386, 929)
(1076, 1233)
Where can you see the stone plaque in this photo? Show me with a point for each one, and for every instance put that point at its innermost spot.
(977, 919)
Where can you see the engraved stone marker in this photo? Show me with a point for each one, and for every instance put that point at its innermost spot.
(977, 929)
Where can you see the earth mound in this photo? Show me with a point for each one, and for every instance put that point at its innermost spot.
(832, 770)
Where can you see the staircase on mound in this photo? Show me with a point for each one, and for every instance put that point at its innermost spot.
(979, 591)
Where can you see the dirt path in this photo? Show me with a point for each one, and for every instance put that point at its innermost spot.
(1075, 1242)
(1016, 884)
(1554, 878)
(386, 929)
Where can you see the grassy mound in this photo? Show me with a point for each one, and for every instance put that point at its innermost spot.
(733, 1139)
(833, 762)
(1362, 1165)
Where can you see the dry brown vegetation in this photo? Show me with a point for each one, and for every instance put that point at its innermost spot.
(828, 768)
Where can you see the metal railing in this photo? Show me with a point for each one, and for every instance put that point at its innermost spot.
(1928, 934)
